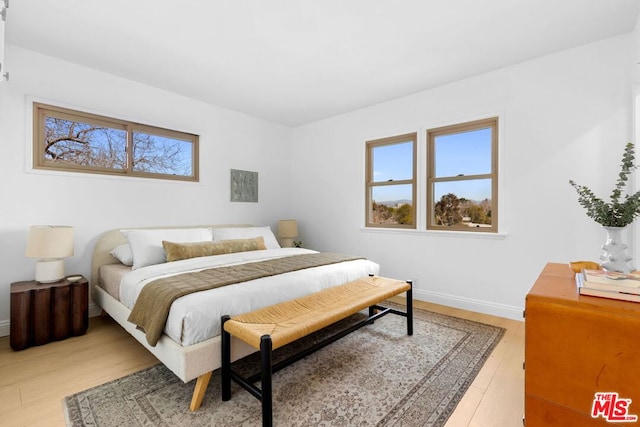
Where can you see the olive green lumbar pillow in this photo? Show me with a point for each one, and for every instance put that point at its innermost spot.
(177, 251)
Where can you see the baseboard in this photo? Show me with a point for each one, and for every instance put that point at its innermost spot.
(94, 310)
(4, 328)
(480, 306)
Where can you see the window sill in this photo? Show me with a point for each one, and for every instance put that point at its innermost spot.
(123, 177)
(458, 234)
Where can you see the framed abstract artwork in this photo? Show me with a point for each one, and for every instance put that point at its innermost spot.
(244, 186)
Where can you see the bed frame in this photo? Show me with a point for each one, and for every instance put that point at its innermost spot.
(196, 361)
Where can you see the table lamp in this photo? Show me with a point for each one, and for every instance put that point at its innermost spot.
(49, 243)
(287, 230)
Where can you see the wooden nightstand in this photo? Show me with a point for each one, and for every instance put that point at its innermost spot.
(44, 312)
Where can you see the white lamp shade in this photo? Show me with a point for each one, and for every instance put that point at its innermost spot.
(288, 228)
(50, 241)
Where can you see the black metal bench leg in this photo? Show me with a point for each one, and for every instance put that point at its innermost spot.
(267, 396)
(372, 311)
(225, 369)
(409, 294)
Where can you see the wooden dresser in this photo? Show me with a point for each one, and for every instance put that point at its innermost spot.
(577, 346)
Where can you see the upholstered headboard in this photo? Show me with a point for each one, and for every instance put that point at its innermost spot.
(113, 238)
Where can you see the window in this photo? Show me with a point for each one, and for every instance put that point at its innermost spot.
(462, 177)
(75, 141)
(391, 182)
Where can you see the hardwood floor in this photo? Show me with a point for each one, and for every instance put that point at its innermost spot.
(34, 381)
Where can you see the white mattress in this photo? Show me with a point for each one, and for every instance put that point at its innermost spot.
(196, 317)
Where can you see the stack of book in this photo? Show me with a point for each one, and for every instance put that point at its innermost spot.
(609, 284)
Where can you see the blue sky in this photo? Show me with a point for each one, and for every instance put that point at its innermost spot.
(108, 141)
(466, 153)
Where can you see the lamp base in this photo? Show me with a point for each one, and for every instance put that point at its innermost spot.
(49, 270)
(286, 242)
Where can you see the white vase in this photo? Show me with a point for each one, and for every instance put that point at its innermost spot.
(614, 253)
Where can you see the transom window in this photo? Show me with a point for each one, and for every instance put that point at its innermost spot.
(462, 176)
(76, 141)
(391, 182)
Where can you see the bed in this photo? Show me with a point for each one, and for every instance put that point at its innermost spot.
(126, 260)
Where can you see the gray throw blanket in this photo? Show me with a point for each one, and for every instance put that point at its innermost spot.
(151, 309)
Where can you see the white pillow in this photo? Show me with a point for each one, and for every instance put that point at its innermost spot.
(146, 245)
(232, 233)
(123, 254)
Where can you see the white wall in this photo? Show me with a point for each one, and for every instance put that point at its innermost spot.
(636, 52)
(564, 116)
(93, 204)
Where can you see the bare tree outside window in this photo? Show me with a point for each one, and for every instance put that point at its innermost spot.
(83, 144)
(76, 141)
(160, 154)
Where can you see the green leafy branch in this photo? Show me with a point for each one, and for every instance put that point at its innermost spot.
(616, 213)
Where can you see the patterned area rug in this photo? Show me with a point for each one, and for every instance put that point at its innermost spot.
(376, 376)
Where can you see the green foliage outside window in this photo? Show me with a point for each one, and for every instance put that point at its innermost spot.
(383, 214)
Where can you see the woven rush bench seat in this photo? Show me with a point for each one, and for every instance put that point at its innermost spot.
(272, 327)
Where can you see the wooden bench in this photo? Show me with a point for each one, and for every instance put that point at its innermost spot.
(272, 327)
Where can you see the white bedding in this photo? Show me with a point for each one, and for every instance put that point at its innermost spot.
(196, 317)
